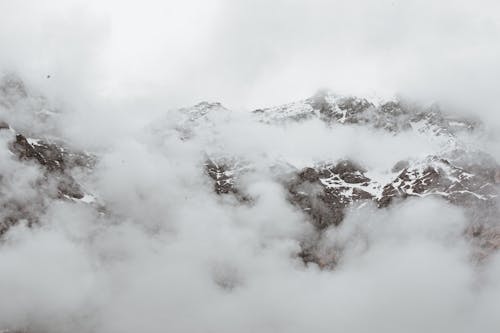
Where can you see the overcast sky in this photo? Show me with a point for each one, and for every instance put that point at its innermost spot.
(254, 53)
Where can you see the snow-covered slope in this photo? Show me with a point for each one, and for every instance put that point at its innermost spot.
(324, 190)
(458, 173)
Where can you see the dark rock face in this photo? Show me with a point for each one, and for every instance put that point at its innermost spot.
(53, 157)
(442, 178)
(324, 192)
(342, 184)
(223, 175)
(338, 186)
(55, 182)
(56, 160)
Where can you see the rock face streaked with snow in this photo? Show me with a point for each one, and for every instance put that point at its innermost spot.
(54, 161)
(324, 190)
(318, 189)
(459, 174)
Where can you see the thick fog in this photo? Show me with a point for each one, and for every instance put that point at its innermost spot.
(167, 253)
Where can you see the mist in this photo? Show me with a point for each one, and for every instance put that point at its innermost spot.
(158, 249)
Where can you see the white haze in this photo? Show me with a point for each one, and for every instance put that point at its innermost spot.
(173, 256)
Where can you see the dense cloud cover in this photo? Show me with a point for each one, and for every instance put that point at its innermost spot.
(168, 254)
(254, 53)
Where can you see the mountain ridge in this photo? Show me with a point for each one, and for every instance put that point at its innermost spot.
(323, 191)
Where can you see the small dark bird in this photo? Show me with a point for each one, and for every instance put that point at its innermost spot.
(48, 76)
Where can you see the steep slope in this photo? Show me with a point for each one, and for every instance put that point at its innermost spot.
(324, 191)
(458, 173)
(34, 171)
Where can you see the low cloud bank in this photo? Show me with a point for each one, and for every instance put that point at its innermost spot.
(168, 254)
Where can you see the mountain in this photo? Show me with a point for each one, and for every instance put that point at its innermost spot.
(56, 182)
(23, 155)
(459, 174)
(324, 191)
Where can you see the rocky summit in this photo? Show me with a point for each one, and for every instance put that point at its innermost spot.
(324, 191)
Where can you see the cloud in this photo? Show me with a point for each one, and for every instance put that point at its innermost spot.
(168, 253)
(257, 53)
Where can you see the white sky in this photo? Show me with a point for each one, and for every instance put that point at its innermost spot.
(254, 53)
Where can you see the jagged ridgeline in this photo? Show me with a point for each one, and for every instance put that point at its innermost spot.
(324, 191)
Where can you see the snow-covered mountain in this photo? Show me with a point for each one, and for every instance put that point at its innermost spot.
(324, 178)
(324, 190)
(459, 173)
